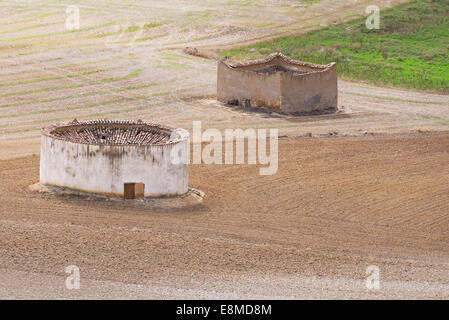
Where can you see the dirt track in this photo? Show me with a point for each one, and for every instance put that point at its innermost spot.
(336, 206)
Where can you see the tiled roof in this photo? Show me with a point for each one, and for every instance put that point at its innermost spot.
(271, 57)
(112, 132)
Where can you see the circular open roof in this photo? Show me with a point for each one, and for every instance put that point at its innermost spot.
(113, 132)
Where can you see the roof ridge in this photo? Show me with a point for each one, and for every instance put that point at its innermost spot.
(235, 64)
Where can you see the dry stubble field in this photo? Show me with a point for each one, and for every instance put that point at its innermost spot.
(336, 205)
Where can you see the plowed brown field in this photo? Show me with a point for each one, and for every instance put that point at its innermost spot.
(335, 206)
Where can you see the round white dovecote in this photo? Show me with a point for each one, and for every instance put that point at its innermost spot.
(133, 159)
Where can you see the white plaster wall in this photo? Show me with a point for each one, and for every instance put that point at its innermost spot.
(104, 169)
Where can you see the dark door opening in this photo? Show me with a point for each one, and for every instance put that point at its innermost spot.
(134, 190)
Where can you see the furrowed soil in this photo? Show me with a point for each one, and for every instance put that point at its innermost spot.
(375, 193)
(335, 207)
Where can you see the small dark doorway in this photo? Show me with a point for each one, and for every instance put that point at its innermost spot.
(134, 190)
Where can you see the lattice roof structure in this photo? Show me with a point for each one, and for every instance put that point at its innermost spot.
(113, 132)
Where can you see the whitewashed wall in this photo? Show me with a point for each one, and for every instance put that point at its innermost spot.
(104, 169)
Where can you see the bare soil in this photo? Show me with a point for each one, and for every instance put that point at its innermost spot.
(336, 206)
